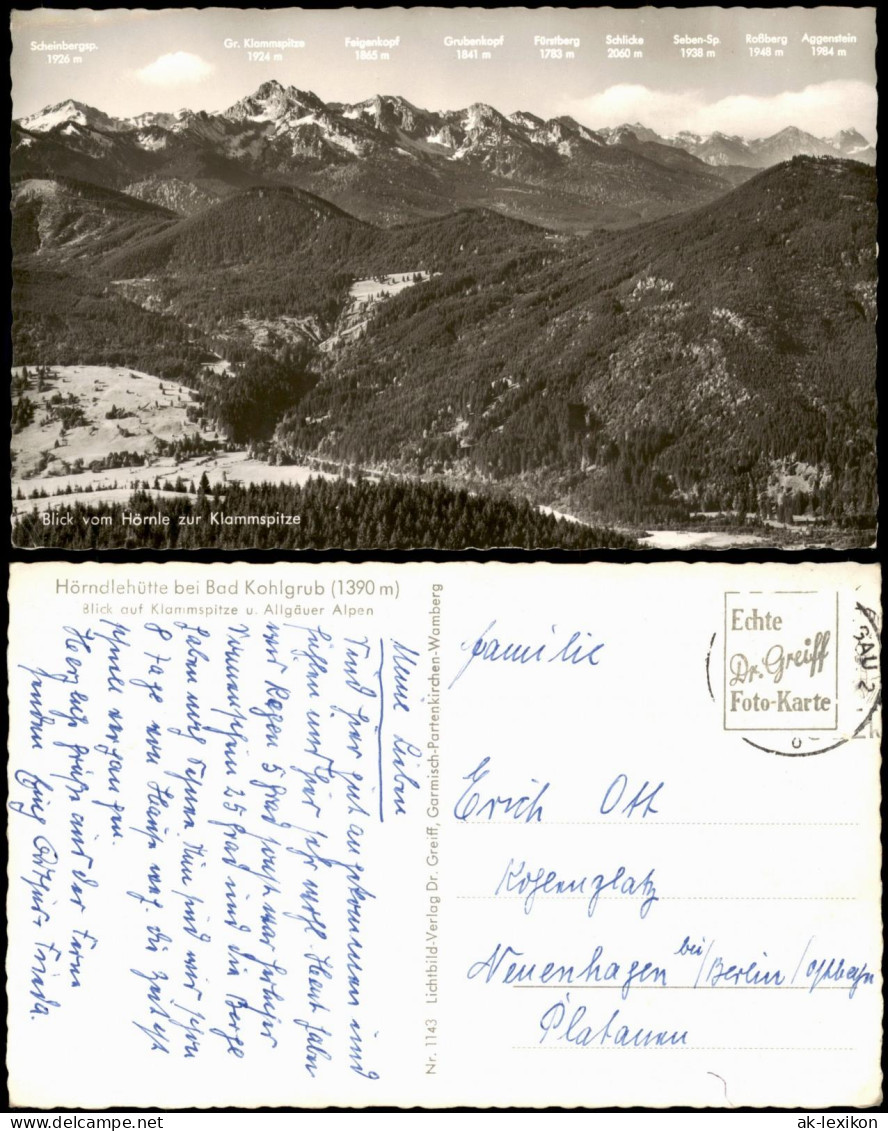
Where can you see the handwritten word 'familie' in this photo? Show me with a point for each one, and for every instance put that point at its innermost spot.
(576, 648)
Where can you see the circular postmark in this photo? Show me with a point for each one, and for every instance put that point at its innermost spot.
(797, 672)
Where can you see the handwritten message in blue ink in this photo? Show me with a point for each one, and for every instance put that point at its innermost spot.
(202, 802)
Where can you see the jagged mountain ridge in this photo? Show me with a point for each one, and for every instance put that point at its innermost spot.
(463, 132)
(384, 159)
(721, 149)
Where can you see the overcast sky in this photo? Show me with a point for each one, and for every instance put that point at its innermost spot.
(145, 60)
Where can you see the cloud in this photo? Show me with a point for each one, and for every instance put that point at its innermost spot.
(821, 109)
(178, 68)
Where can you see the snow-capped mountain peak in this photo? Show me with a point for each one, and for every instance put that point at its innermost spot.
(481, 115)
(273, 102)
(850, 141)
(526, 120)
(385, 112)
(69, 112)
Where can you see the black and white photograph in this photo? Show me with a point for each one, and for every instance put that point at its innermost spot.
(444, 279)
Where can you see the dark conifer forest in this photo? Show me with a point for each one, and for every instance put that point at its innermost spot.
(322, 514)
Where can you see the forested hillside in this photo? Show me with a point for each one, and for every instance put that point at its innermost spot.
(679, 367)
